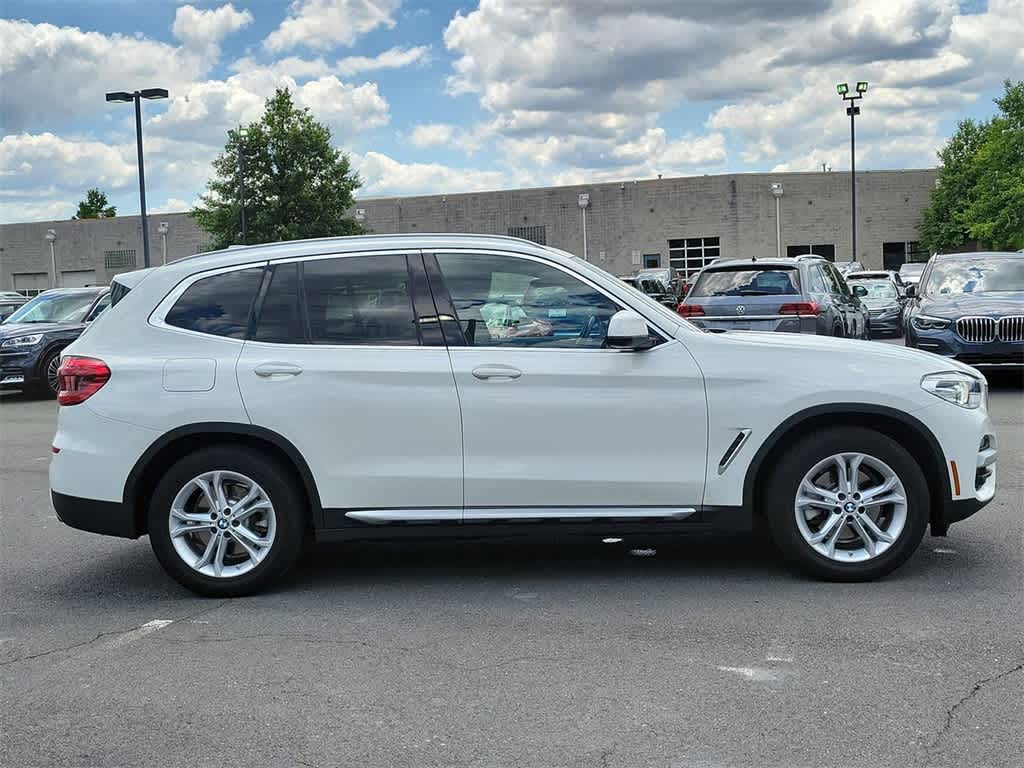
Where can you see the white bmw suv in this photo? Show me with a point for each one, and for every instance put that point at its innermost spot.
(232, 404)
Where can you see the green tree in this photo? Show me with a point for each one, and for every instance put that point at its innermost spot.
(995, 213)
(95, 206)
(980, 193)
(296, 184)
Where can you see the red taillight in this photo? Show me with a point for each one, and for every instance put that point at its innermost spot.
(80, 379)
(800, 308)
(690, 310)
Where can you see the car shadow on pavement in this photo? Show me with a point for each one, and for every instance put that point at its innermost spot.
(1008, 379)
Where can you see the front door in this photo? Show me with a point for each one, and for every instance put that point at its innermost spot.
(552, 419)
(340, 365)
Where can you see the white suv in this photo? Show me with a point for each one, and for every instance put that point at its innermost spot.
(233, 403)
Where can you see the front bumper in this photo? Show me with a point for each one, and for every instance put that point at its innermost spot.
(110, 518)
(19, 369)
(886, 324)
(947, 343)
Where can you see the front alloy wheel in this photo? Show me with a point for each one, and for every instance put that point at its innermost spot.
(846, 504)
(851, 507)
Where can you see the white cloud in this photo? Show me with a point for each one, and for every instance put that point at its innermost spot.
(39, 58)
(203, 30)
(323, 24)
(393, 58)
(383, 175)
(431, 135)
(207, 110)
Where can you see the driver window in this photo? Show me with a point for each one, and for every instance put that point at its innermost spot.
(99, 309)
(511, 301)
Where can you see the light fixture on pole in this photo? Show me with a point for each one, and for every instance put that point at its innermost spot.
(51, 236)
(162, 229)
(853, 110)
(136, 97)
(584, 202)
(777, 193)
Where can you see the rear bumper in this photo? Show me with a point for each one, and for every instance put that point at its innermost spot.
(110, 518)
(784, 324)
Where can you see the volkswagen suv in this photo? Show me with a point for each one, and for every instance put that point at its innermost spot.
(232, 404)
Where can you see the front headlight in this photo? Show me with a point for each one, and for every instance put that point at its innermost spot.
(928, 323)
(958, 388)
(20, 342)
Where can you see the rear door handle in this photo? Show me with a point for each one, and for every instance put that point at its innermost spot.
(272, 370)
(497, 372)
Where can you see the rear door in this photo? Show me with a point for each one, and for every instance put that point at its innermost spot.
(346, 361)
(853, 316)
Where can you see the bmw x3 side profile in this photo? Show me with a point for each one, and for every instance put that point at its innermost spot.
(232, 404)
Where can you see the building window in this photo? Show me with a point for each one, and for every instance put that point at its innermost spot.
(895, 254)
(535, 234)
(119, 259)
(652, 260)
(692, 254)
(825, 250)
(31, 283)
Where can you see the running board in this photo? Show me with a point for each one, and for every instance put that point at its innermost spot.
(495, 514)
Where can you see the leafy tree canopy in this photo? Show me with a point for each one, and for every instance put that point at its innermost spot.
(95, 206)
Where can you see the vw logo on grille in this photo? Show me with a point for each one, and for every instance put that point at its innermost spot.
(740, 309)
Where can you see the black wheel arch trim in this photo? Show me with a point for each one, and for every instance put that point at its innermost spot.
(938, 512)
(235, 430)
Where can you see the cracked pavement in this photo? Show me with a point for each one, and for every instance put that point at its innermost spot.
(531, 653)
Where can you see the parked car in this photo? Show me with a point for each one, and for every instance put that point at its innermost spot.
(655, 287)
(884, 301)
(845, 267)
(32, 338)
(10, 301)
(801, 295)
(970, 306)
(878, 274)
(231, 403)
(911, 271)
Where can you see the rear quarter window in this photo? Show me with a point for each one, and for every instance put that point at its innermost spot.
(219, 305)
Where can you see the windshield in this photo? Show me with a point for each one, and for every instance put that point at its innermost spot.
(992, 274)
(878, 289)
(912, 269)
(54, 308)
(748, 282)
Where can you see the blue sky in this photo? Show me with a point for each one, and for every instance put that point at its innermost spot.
(481, 94)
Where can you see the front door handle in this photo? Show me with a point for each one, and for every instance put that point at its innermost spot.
(274, 370)
(497, 372)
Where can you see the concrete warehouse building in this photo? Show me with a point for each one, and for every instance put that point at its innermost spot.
(622, 226)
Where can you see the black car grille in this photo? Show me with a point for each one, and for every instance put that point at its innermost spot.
(1011, 328)
(978, 329)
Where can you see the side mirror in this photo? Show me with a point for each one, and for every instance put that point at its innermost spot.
(628, 331)
(860, 291)
(911, 291)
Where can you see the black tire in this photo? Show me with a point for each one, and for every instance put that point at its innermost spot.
(837, 331)
(44, 386)
(289, 510)
(784, 480)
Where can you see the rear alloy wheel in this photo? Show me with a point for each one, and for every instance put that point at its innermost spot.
(226, 521)
(851, 505)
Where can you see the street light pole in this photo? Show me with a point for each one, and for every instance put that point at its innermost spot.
(241, 188)
(136, 97)
(584, 203)
(162, 229)
(853, 110)
(51, 236)
(777, 193)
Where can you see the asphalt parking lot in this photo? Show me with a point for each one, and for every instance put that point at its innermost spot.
(532, 653)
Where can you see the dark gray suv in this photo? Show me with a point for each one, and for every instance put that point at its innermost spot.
(801, 295)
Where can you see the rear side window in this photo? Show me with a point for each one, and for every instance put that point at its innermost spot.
(219, 305)
(359, 300)
(748, 282)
